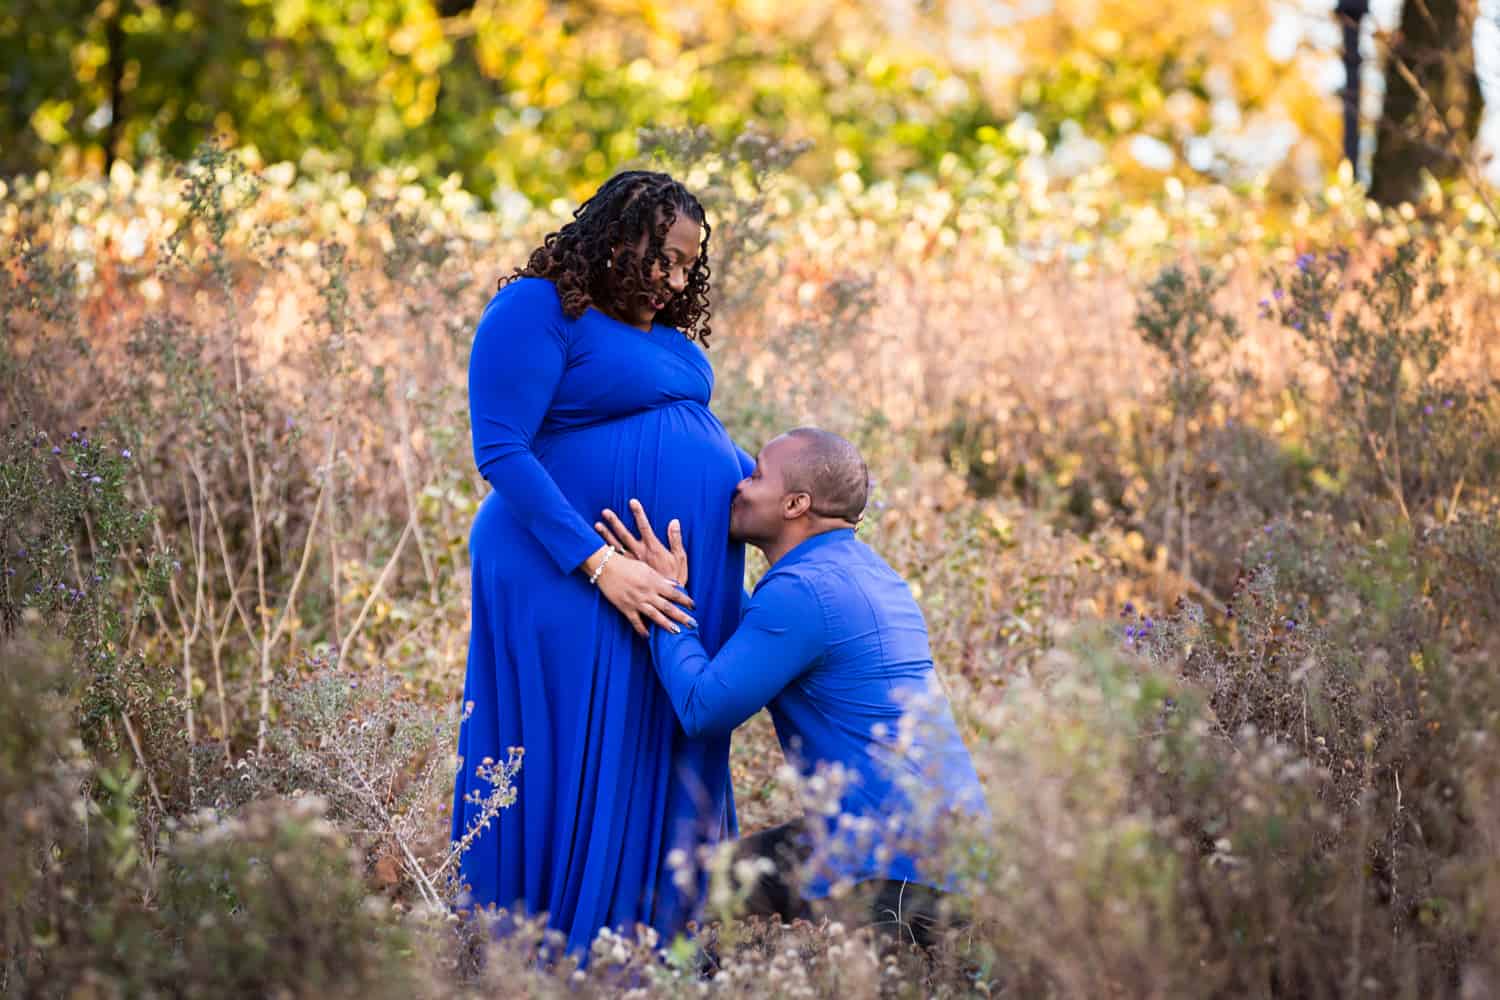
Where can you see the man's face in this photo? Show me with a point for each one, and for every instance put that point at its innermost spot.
(759, 511)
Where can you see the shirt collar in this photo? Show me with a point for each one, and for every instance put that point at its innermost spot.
(805, 548)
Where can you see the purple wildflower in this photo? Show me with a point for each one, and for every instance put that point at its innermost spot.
(1447, 404)
(1427, 409)
(1305, 262)
(125, 453)
(56, 450)
(1129, 608)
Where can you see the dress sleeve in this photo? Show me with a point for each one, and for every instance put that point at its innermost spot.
(518, 358)
(781, 636)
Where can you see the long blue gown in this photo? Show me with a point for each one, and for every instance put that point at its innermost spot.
(569, 417)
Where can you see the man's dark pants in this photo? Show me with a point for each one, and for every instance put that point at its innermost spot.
(904, 910)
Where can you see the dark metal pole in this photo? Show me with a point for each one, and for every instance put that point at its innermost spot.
(1351, 14)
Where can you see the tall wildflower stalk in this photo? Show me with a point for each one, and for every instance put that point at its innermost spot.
(1177, 317)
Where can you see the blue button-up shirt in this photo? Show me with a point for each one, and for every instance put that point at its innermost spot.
(833, 643)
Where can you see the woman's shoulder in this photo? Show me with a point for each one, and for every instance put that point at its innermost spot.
(525, 303)
(528, 302)
(528, 294)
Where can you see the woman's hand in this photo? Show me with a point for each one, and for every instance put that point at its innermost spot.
(642, 595)
(671, 563)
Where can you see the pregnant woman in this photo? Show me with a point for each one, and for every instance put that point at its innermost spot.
(587, 388)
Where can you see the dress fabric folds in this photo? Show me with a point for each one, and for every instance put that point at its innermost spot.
(569, 417)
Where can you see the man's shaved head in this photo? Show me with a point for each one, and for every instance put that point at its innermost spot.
(830, 470)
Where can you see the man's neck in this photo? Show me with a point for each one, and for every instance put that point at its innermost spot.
(792, 538)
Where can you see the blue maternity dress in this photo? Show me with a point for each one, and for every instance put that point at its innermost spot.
(569, 417)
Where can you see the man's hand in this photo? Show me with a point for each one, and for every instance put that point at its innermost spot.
(671, 563)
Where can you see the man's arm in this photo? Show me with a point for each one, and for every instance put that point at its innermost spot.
(780, 637)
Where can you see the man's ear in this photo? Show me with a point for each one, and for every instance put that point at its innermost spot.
(795, 505)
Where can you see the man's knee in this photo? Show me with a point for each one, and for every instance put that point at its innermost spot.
(766, 870)
(901, 910)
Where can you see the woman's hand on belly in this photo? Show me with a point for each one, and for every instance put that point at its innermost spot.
(641, 594)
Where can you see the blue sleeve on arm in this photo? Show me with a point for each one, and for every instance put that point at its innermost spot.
(518, 358)
(780, 637)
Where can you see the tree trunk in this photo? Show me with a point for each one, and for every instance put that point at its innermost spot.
(1433, 105)
(114, 39)
(1351, 15)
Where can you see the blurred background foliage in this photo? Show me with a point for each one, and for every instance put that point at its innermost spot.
(1188, 439)
(543, 97)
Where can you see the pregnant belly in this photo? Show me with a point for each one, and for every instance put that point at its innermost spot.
(677, 460)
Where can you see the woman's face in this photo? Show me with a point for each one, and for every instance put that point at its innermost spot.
(680, 247)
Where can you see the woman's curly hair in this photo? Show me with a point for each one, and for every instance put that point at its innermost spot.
(631, 204)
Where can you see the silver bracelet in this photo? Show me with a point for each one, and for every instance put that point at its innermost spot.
(594, 576)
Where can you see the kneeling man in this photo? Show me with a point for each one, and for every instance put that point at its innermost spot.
(834, 645)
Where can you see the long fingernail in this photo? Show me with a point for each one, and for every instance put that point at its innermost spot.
(693, 622)
(676, 630)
